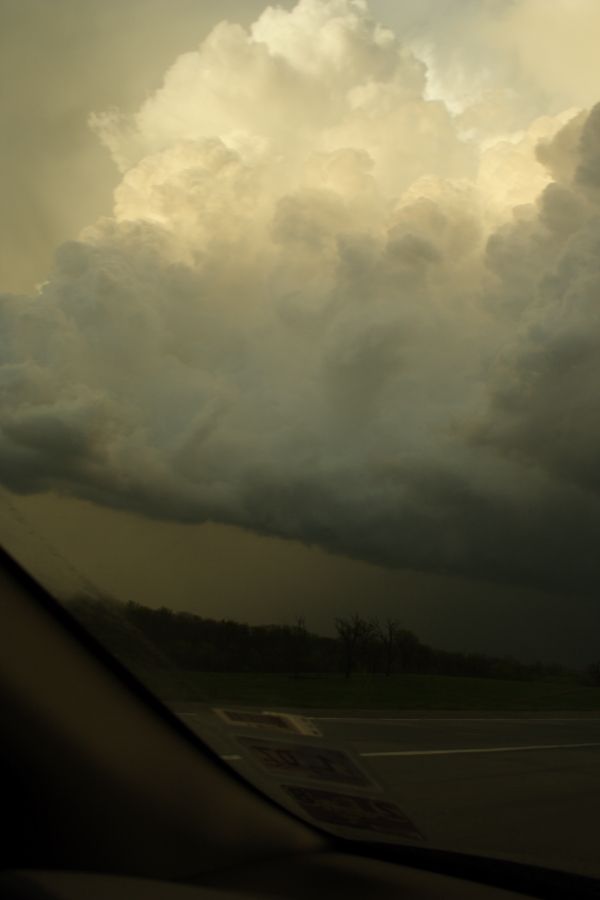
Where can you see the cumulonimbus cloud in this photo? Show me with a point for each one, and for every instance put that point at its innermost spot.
(329, 308)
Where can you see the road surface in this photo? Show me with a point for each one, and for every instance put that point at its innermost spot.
(524, 787)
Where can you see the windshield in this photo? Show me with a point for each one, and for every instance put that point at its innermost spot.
(299, 389)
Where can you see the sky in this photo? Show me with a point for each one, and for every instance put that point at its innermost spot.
(299, 310)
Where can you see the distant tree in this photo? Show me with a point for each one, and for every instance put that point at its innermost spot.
(300, 640)
(390, 636)
(155, 640)
(592, 675)
(354, 634)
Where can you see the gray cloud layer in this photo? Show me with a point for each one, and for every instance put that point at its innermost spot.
(327, 310)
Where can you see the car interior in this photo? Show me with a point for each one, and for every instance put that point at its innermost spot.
(108, 794)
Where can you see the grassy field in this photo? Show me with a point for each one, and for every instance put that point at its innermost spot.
(398, 692)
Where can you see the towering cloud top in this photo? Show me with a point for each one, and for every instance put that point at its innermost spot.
(330, 307)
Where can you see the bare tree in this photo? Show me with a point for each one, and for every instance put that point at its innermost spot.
(592, 674)
(390, 637)
(354, 634)
(299, 646)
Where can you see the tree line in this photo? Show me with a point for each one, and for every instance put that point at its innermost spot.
(166, 638)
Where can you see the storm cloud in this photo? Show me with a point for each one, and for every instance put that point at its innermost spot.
(328, 307)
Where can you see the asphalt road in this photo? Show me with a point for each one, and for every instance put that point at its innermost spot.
(515, 787)
(522, 787)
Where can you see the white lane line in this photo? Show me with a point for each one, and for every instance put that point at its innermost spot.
(454, 752)
(234, 757)
(415, 720)
(410, 720)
